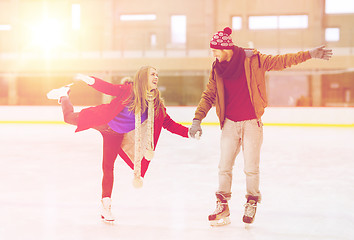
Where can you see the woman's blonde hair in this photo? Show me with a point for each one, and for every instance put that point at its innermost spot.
(138, 99)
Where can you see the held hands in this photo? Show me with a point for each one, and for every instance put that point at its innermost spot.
(321, 53)
(195, 131)
(85, 78)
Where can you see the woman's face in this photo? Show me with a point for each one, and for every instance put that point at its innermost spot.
(153, 78)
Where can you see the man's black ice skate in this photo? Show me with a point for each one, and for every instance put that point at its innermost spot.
(221, 214)
(250, 209)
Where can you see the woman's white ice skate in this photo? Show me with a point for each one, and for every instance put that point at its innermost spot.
(106, 213)
(59, 92)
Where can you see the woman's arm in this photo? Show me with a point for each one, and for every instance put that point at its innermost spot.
(100, 85)
(173, 127)
(108, 88)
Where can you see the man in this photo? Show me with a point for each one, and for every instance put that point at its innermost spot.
(237, 87)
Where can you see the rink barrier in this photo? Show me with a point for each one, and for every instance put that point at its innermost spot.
(273, 116)
(284, 124)
(206, 124)
(32, 122)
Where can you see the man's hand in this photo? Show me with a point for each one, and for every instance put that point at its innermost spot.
(85, 78)
(321, 53)
(195, 128)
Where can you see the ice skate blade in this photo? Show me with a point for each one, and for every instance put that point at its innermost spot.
(220, 222)
(247, 225)
(107, 221)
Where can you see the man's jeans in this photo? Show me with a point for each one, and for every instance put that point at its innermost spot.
(248, 135)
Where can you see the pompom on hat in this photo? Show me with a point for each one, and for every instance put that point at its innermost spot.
(222, 39)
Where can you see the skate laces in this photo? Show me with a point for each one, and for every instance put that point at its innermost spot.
(108, 207)
(250, 209)
(219, 207)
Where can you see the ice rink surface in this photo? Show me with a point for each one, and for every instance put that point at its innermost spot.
(51, 185)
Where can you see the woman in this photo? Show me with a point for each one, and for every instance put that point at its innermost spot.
(130, 124)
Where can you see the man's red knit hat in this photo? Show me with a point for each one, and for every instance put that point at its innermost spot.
(222, 40)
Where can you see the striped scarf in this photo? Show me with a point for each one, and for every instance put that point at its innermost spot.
(234, 68)
(143, 148)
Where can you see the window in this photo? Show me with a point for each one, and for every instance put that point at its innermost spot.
(263, 22)
(339, 6)
(5, 27)
(278, 22)
(75, 16)
(332, 34)
(293, 22)
(178, 29)
(153, 40)
(236, 23)
(138, 17)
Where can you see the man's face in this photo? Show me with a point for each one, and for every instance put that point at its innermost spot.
(219, 54)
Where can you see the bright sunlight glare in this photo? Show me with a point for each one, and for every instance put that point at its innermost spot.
(47, 34)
